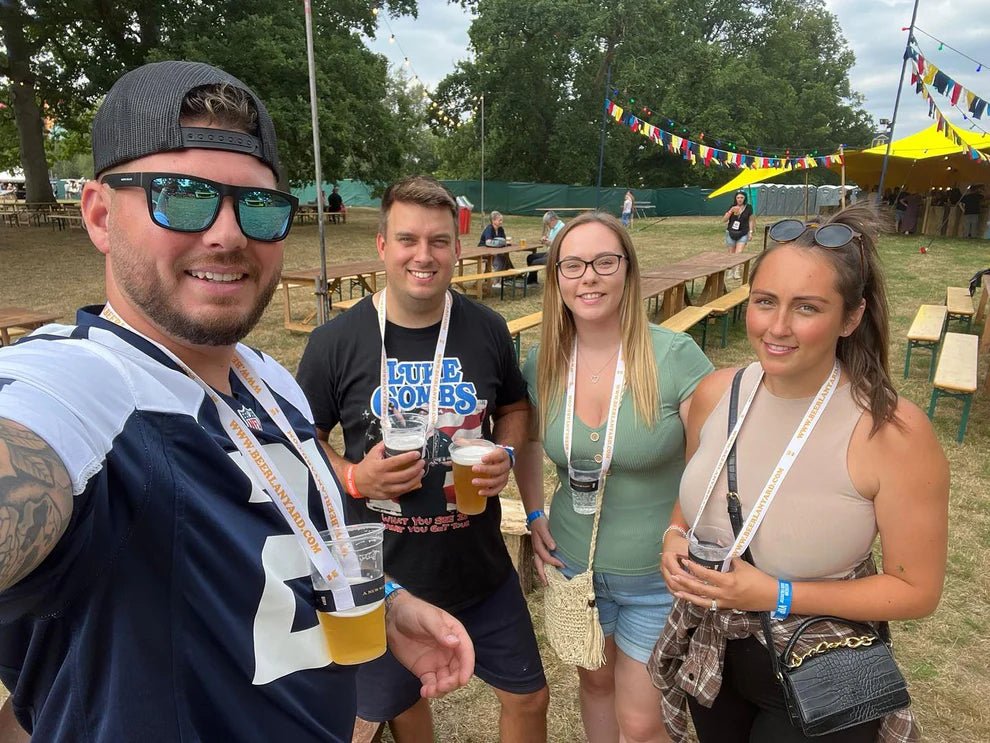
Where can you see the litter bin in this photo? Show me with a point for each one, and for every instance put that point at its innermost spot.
(464, 208)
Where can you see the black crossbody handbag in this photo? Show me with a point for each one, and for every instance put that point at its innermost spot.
(834, 685)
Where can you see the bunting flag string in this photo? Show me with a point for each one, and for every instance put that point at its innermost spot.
(942, 124)
(697, 152)
(958, 96)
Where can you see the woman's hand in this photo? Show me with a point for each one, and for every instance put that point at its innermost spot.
(745, 587)
(675, 548)
(543, 545)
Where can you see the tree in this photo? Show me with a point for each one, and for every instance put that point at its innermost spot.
(75, 49)
(753, 73)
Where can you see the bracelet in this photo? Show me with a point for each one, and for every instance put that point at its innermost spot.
(673, 527)
(511, 451)
(533, 516)
(784, 593)
(349, 485)
(391, 588)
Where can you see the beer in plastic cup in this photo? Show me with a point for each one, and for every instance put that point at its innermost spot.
(710, 545)
(464, 454)
(585, 478)
(522, 242)
(404, 432)
(355, 635)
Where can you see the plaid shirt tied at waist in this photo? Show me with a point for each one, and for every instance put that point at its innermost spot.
(689, 656)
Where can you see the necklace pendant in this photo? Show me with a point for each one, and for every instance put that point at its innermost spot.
(595, 378)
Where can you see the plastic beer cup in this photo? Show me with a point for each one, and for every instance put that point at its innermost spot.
(464, 454)
(584, 481)
(404, 433)
(355, 635)
(709, 546)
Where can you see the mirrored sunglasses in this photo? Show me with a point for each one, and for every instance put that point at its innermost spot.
(831, 236)
(183, 203)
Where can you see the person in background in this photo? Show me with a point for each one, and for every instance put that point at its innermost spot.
(335, 204)
(818, 323)
(494, 231)
(971, 205)
(627, 209)
(594, 319)
(739, 225)
(552, 225)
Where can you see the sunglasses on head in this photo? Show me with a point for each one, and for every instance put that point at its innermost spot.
(184, 203)
(832, 236)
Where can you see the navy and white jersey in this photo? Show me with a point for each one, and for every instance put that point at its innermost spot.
(178, 604)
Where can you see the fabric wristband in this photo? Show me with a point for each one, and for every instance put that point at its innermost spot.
(349, 485)
(533, 516)
(784, 592)
(391, 587)
(511, 451)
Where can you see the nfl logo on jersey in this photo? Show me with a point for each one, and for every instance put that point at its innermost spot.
(250, 417)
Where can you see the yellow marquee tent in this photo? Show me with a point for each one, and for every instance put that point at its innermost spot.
(920, 161)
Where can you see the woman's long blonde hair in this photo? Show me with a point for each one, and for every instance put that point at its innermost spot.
(557, 333)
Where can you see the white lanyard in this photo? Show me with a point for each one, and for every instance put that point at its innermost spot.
(434, 403)
(618, 385)
(265, 473)
(777, 475)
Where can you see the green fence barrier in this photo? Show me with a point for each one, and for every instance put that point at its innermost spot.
(532, 199)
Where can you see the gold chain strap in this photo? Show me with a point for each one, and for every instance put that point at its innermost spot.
(825, 645)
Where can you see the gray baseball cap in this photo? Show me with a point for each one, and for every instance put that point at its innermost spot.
(140, 116)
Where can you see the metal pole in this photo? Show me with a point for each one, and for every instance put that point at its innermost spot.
(601, 140)
(806, 195)
(482, 154)
(842, 191)
(897, 103)
(322, 297)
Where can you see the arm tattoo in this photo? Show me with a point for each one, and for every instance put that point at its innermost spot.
(35, 501)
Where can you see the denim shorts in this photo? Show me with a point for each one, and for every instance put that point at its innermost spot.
(730, 242)
(631, 608)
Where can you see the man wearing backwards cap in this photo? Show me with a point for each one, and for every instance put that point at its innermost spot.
(151, 592)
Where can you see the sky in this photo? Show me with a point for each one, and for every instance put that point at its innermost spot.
(438, 39)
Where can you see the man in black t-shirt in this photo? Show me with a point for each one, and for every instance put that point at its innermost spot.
(455, 560)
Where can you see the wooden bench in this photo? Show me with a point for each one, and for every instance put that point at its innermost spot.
(479, 279)
(729, 302)
(686, 319)
(63, 221)
(517, 541)
(517, 326)
(955, 375)
(926, 332)
(346, 304)
(960, 305)
(19, 320)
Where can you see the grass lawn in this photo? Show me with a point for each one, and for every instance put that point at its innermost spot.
(945, 657)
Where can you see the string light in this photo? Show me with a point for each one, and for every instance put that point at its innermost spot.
(942, 44)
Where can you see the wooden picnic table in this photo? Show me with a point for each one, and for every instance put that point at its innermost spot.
(483, 256)
(364, 272)
(666, 292)
(711, 266)
(22, 318)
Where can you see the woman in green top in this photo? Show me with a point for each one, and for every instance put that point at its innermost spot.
(593, 316)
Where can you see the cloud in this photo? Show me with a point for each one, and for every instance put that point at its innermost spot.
(438, 39)
(873, 30)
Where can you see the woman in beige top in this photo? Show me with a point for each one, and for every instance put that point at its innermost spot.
(871, 465)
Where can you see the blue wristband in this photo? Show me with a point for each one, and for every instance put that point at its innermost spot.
(391, 587)
(533, 516)
(784, 593)
(511, 451)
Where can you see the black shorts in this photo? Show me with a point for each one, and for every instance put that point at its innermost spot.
(506, 656)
